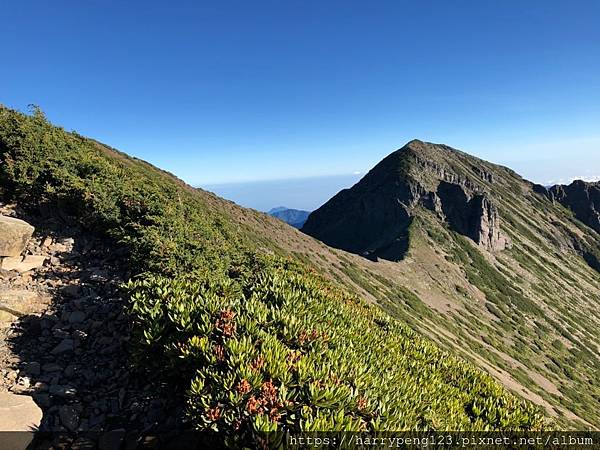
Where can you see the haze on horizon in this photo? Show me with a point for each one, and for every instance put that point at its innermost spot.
(233, 92)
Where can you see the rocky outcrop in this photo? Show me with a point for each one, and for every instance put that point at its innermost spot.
(19, 418)
(374, 216)
(14, 234)
(473, 216)
(371, 219)
(19, 302)
(22, 263)
(487, 225)
(582, 198)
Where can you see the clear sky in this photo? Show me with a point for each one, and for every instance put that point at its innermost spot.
(231, 91)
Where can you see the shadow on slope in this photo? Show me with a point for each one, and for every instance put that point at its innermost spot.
(74, 357)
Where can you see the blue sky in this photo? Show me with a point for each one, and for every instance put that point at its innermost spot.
(236, 91)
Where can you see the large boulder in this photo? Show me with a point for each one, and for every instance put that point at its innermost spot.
(22, 263)
(14, 235)
(19, 418)
(19, 302)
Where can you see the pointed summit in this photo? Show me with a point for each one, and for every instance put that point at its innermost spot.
(415, 144)
(373, 218)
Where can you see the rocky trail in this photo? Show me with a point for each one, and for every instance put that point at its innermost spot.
(64, 335)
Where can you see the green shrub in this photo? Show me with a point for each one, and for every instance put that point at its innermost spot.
(263, 342)
(318, 351)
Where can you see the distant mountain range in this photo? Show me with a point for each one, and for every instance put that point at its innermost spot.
(294, 217)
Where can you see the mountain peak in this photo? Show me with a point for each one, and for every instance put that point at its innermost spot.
(415, 144)
(374, 217)
(418, 145)
(526, 255)
(419, 148)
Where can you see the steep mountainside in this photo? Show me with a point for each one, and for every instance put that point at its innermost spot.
(485, 262)
(294, 217)
(262, 327)
(582, 198)
(373, 218)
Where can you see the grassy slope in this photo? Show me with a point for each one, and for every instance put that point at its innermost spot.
(264, 341)
(528, 315)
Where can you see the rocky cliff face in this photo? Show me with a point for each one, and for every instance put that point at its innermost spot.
(373, 218)
(582, 198)
(474, 216)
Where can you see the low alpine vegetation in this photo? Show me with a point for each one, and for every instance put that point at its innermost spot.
(263, 342)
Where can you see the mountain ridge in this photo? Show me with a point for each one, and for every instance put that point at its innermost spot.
(262, 327)
(504, 312)
(407, 177)
(581, 197)
(462, 241)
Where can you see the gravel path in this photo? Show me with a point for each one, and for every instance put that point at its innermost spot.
(70, 351)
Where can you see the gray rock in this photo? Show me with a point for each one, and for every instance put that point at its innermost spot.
(23, 264)
(18, 413)
(62, 391)
(42, 400)
(71, 290)
(474, 216)
(51, 367)
(76, 317)
(122, 394)
(70, 371)
(66, 345)
(32, 368)
(111, 440)
(96, 420)
(14, 235)
(69, 417)
(582, 198)
(487, 225)
(85, 426)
